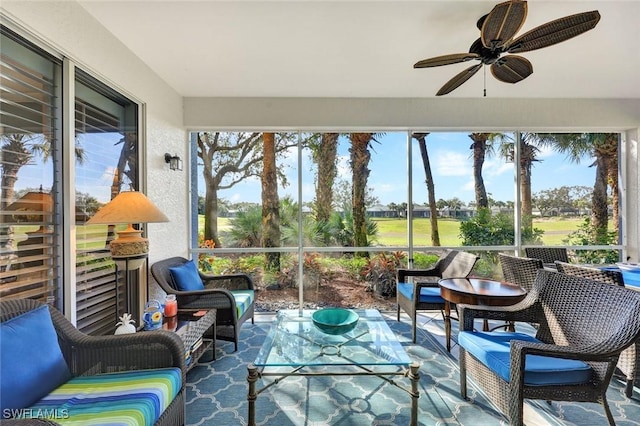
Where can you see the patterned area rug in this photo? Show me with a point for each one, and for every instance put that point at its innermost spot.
(217, 392)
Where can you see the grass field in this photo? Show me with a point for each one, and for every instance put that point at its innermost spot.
(393, 232)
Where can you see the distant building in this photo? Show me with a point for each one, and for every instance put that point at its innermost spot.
(461, 213)
(379, 210)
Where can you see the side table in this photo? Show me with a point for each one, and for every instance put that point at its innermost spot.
(191, 327)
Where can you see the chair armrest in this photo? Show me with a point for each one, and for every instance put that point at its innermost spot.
(520, 349)
(401, 274)
(137, 351)
(227, 281)
(218, 298)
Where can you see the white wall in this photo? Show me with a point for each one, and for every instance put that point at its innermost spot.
(67, 28)
(434, 114)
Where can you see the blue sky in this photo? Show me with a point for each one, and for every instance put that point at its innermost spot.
(451, 164)
(449, 153)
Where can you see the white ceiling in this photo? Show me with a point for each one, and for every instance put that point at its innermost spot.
(314, 48)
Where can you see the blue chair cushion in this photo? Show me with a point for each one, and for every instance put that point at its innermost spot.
(630, 278)
(186, 276)
(31, 362)
(427, 294)
(492, 349)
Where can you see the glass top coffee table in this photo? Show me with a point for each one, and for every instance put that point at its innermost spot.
(294, 346)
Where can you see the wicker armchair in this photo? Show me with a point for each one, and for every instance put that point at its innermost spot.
(424, 293)
(629, 362)
(216, 294)
(92, 355)
(519, 270)
(578, 319)
(548, 255)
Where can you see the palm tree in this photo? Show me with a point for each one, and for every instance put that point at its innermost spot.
(324, 154)
(270, 202)
(530, 144)
(604, 147)
(360, 157)
(431, 191)
(479, 147)
(18, 150)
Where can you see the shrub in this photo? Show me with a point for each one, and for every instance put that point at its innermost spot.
(380, 273)
(586, 235)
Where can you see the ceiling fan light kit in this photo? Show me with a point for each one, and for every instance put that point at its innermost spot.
(497, 31)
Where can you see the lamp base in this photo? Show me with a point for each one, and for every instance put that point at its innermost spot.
(130, 242)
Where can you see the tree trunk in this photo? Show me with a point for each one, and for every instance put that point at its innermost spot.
(360, 157)
(431, 191)
(211, 212)
(599, 207)
(611, 158)
(479, 151)
(270, 202)
(327, 171)
(526, 210)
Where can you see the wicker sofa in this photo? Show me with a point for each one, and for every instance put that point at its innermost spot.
(584, 325)
(54, 374)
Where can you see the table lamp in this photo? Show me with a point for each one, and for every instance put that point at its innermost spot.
(33, 207)
(129, 207)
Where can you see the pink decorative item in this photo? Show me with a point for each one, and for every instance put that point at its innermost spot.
(170, 306)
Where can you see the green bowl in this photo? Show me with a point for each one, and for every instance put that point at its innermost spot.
(335, 320)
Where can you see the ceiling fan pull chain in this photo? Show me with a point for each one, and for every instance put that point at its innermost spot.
(484, 83)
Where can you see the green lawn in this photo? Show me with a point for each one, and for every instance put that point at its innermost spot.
(393, 232)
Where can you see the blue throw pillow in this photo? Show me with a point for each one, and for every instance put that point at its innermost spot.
(186, 277)
(31, 362)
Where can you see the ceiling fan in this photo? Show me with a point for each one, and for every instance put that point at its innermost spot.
(497, 31)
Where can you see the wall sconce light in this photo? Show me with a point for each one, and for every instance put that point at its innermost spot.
(175, 162)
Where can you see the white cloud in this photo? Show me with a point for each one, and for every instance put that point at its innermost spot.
(342, 164)
(451, 163)
(494, 167)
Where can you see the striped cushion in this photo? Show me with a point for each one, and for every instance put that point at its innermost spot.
(244, 299)
(126, 398)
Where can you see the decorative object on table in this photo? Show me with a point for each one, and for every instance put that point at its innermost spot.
(170, 306)
(170, 323)
(629, 266)
(152, 316)
(335, 320)
(128, 207)
(126, 325)
(497, 43)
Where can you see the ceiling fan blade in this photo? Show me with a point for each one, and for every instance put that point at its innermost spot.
(511, 69)
(460, 78)
(555, 32)
(445, 60)
(502, 23)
